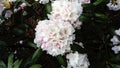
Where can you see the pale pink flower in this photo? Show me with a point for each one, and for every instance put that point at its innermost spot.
(54, 36)
(23, 5)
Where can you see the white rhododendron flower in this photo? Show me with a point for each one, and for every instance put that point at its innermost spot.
(116, 49)
(54, 36)
(117, 32)
(115, 40)
(66, 10)
(76, 60)
(114, 5)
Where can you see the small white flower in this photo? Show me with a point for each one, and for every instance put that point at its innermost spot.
(115, 6)
(15, 52)
(21, 41)
(76, 60)
(117, 32)
(116, 49)
(115, 40)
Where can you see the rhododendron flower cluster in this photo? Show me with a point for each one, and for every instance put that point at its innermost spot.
(77, 60)
(66, 11)
(54, 36)
(57, 34)
(116, 42)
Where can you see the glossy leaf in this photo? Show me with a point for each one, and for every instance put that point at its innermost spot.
(36, 66)
(17, 63)
(2, 64)
(101, 16)
(48, 7)
(10, 61)
(36, 54)
(61, 60)
(97, 2)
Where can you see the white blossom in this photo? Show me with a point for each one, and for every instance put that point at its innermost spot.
(117, 32)
(76, 60)
(115, 40)
(114, 5)
(54, 36)
(66, 10)
(116, 49)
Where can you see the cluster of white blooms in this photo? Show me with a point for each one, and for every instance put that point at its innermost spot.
(54, 36)
(66, 11)
(114, 5)
(77, 60)
(116, 42)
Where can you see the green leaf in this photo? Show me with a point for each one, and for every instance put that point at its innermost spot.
(101, 16)
(2, 64)
(48, 7)
(86, 17)
(107, 66)
(88, 6)
(32, 45)
(36, 66)
(10, 61)
(17, 63)
(18, 31)
(61, 60)
(115, 66)
(97, 2)
(24, 13)
(115, 59)
(36, 54)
